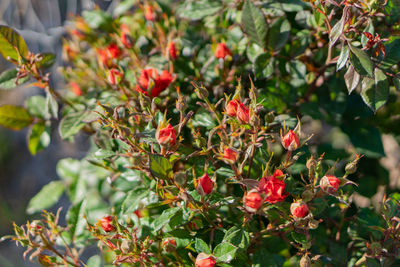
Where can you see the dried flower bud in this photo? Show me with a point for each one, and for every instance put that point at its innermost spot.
(329, 184)
(106, 224)
(313, 224)
(290, 141)
(180, 178)
(305, 261)
(204, 260)
(299, 210)
(166, 136)
(169, 244)
(351, 168)
(201, 92)
(311, 163)
(204, 185)
(252, 201)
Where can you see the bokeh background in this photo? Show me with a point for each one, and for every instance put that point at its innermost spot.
(42, 23)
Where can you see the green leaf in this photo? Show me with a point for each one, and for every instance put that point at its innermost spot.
(375, 92)
(47, 60)
(133, 199)
(160, 167)
(36, 106)
(12, 45)
(337, 29)
(75, 219)
(8, 79)
(225, 252)
(46, 198)
(238, 237)
(392, 53)
(164, 218)
(98, 19)
(199, 9)
(352, 79)
(361, 61)
(254, 24)
(278, 34)
(263, 257)
(15, 118)
(51, 107)
(202, 246)
(94, 261)
(203, 118)
(344, 55)
(38, 138)
(263, 66)
(71, 124)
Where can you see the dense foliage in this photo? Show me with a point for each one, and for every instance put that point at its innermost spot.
(201, 117)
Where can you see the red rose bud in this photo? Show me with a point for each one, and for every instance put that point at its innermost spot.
(158, 84)
(149, 13)
(166, 135)
(106, 224)
(222, 51)
(230, 155)
(273, 187)
(204, 185)
(114, 51)
(169, 244)
(204, 260)
(231, 108)
(243, 113)
(329, 184)
(114, 76)
(252, 201)
(75, 88)
(299, 210)
(126, 40)
(172, 51)
(290, 141)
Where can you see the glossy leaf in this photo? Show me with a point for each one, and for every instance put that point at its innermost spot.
(337, 29)
(51, 108)
(238, 237)
(160, 167)
(202, 246)
(278, 34)
(164, 218)
(8, 79)
(15, 118)
(71, 124)
(75, 219)
(352, 79)
(344, 55)
(199, 9)
(254, 24)
(12, 45)
(47, 60)
(225, 252)
(375, 92)
(46, 198)
(361, 62)
(38, 138)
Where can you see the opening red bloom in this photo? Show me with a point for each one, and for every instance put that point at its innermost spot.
(299, 210)
(160, 83)
(231, 108)
(222, 51)
(106, 224)
(329, 183)
(205, 185)
(290, 141)
(166, 135)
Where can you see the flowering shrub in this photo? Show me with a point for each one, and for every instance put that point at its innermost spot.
(197, 155)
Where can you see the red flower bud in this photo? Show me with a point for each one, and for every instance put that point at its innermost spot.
(329, 184)
(252, 201)
(172, 51)
(166, 135)
(222, 51)
(106, 224)
(169, 244)
(273, 187)
(204, 185)
(114, 76)
(114, 51)
(149, 13)
(299, 210)
(159, 83)
(243, 113)
(231, 108)
(126, 40)
(230, 155)
(75, 88)
(204, 260)
(290, 141)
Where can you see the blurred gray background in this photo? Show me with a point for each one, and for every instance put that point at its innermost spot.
(42, 24)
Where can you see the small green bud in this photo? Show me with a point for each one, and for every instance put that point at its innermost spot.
(270, 117)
